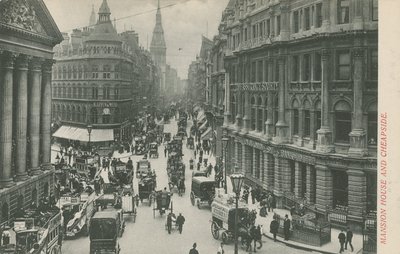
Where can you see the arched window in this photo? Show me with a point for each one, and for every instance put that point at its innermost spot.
(64, 92)
(74, 72)
(69, 115)
(74, 91)
(79, 91)
(342, 122)
(83, 115)
(79, 115)
(64, 75)
(307, 118)
(260, 114)
(73, 113)
(69, 91)
(295, 117)
(233, 108)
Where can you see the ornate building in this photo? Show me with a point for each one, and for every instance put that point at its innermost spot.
(301, 101)
(101, 79)
(28, 34)
(158, 48)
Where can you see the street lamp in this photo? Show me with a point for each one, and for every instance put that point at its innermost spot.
(89, 130)
(225, 141)
(237, 181)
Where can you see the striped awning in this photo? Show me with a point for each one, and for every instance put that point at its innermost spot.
(207, 134)
(81, 134)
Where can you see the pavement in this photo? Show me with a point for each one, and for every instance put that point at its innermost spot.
(148, 235)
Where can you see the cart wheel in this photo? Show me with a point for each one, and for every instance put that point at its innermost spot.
(225, 237)
(215, 230)
(192, 198)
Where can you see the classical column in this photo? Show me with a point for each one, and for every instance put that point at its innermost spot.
(358, 135)
(281, 126)
(310, 184)
(227, 113)
(263, 118)
(312, 127)
(270, 166)
(6, 118)
(34, 112)
(46, 115)
(239, 108)
(246, 118)
(357, 182)
(324, 144)
(326, 16)
(300, 141)
(269, 124)
(285, 17)
(324, 195)
(21, 117)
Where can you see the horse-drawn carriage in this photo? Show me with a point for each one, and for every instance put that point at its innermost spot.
(176, 172)
(140, 145)
(167, 137)
(223, 220)
(123, 173)
(147, 186)
(162, 202)
(203, 191)
(143, 168)
(153, 151)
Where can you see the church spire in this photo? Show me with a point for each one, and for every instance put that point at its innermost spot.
(158, 40)
(92, 20)
(104, 12)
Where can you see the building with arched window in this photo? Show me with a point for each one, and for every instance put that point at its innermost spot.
(101, 83)
(300, 101)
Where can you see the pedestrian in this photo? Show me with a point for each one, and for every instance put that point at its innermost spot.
(195, 154)
(257, 237)
(349, 238)
(180, 220)
(342, 240)
(273, 227)
(193, 250)
(201, 153)
(165, 151)
(169, 223)
(286, 227)
(221, 249)
(253, 195)
(273, 202)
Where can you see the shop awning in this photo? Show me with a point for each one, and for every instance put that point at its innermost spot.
(203, 126)
(207, 134)
(197, 108)
(81, 134)
(201, 117)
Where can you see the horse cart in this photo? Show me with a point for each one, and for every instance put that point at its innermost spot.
(203, 191)
(153, 151)
(223, 220)
(143, 168)
(147, 186)
(127, 201)
(163, 202)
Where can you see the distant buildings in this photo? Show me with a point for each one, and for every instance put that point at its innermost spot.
(102, 79)
(26, 60)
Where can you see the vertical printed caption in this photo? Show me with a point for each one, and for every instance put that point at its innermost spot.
(383, 183)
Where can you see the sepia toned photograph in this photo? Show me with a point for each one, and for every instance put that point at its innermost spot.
(191, 126)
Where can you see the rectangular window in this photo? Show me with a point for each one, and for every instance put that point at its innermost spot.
(295, 68)
(261, 29)
(260, 71)
(343, 65)
(374, 9)
(343, 11)
(295, 121)
(317, 123)
(373, 65)
(278, 25)
(253, 72)
(318, 15)
(245, 34)
(306, 67)
(343, 126)
(266, 66)
(307, 18)
(317, 66)
(268, 27)
(296, 21)
(307, 122)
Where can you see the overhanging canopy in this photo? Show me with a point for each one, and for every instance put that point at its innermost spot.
(81, 134)
(203, 126)
(207, 134)
(201, 117)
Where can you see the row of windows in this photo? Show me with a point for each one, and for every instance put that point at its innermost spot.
(76, 114)
(83, 93)
(306, 67)
(301, 19)
(80, 72)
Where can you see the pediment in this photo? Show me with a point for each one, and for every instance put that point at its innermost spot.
(27, 18)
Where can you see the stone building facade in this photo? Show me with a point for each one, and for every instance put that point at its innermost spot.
(301, 100)
(101, 78)
(26, 60)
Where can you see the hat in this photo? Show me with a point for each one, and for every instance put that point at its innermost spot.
(194, 245)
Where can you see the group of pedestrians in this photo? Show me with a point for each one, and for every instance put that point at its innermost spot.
(179, 221)
(345, 239)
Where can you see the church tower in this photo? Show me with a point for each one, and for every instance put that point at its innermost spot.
(158, 48)
(92, 21)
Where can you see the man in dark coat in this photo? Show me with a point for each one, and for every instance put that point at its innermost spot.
(273, 227)
(193, 250)
(169, 223)
(286, 227)
(180, 220)
(349, 238)
(342, 240)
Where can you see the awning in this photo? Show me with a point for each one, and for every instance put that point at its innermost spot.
(203, 126)
(201, 117)
(197, 108)
(81, 134)
(207, 134)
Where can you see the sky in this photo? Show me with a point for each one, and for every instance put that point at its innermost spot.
(184, 22)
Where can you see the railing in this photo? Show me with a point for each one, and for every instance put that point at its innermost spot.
(305, 86)
(369, 233)
(338, 215)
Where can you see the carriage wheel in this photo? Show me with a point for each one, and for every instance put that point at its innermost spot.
(192, 200)
(215, 230)
(225, 237)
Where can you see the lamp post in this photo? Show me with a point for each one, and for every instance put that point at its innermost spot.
(237, 181)
(89, 130)
(225, 141)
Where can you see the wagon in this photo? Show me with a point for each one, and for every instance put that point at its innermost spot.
(146, 187)
(203, 191)
(153, 152)
(143, 168)
(163, 202)
(223, 220)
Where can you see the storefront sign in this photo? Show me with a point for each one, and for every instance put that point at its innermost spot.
(104, 105)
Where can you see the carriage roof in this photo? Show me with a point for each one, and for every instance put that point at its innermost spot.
(202, 179)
